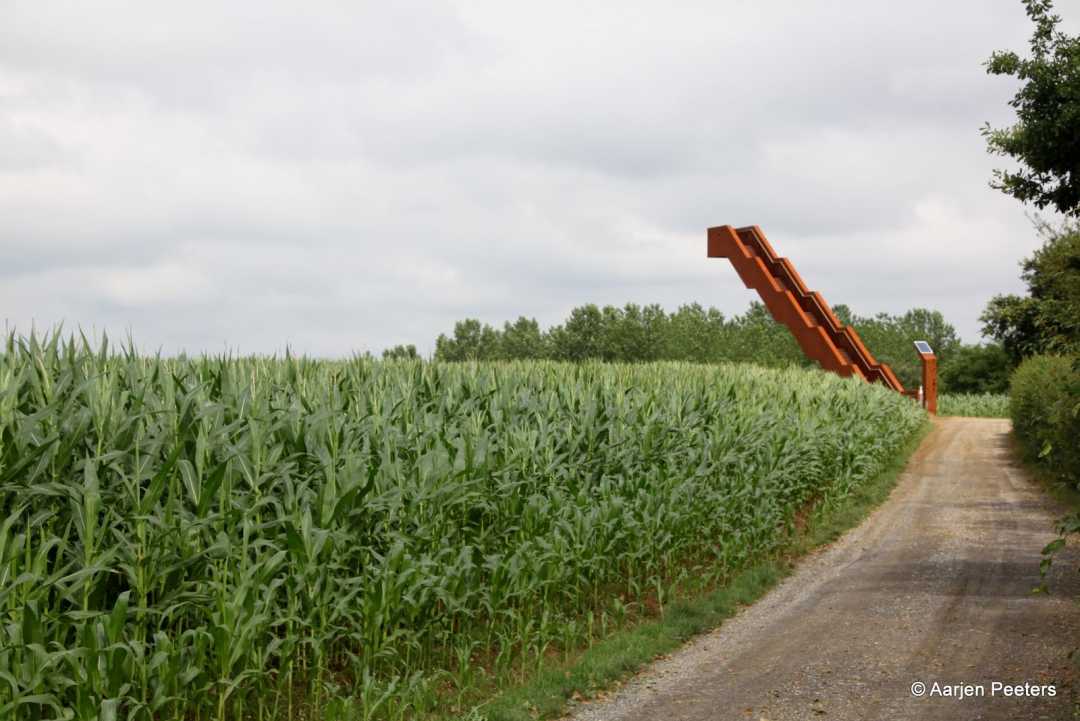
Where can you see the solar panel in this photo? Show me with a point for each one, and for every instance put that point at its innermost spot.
(923, 347)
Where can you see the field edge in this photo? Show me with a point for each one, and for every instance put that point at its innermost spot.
(549, 693)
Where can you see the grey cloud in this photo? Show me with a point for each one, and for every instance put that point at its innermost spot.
(353, 175)
(199, 53)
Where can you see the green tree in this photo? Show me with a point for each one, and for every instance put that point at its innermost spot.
(755, 337)
(524, 340)
(694, 334)
(401, 352)
(843, 314)
(1045, 137)
(1047, 320)
(472, 341)
(581, 337)
(633, 333)
(976, 369)
(890, 337)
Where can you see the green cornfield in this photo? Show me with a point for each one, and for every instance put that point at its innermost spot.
(286, 538)
(980, 405)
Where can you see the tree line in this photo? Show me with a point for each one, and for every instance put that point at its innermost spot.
(641, 333)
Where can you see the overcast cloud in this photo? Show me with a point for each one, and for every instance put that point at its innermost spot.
(347, 176)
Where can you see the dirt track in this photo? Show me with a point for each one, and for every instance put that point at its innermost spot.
(934, 587)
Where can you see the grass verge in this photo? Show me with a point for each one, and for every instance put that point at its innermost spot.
(614, 658)
(1061, 491)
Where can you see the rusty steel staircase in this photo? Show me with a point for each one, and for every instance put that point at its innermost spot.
(816, 328)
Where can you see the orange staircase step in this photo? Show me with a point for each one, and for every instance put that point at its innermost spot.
(820, 334)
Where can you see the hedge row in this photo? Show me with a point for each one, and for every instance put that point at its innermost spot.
(1045, 410)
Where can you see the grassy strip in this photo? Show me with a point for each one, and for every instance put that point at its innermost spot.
(1058, 489)
(625, 652)
(1064, 493)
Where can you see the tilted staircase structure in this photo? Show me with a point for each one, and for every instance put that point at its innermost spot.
(820, 334)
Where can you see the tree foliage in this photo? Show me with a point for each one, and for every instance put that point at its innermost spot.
(471, 341)
(636, 334)
(631, 334)
(401, 352)
(1045, 411)
(1047, 320)
(976, 369)
(891, 337)
(523, 340)
(1045, 137)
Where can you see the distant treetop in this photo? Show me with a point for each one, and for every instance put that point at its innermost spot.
(634, 333)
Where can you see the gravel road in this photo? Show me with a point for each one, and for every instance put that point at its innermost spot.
(934, 587)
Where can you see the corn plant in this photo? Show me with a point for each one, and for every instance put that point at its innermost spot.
(982, 405)
(274, 538)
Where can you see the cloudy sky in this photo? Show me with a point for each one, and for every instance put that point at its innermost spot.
(348, 176)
